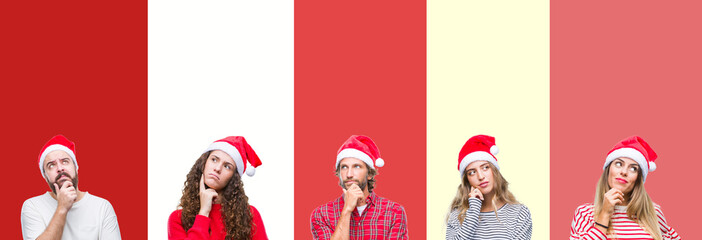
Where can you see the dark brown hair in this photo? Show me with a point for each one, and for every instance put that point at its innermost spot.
(236, 213)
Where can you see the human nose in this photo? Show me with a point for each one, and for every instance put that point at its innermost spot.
(480, 175)
(349, 173)
(218, 167)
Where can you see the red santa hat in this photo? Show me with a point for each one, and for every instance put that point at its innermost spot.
(637, 149)
(478, 148)
(238, 149)
(362, 148)
(58, 142)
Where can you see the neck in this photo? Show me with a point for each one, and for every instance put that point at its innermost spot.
(365, 196)
(487, 203)
(218, 199)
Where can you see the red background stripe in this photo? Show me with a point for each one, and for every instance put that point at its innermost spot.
(360, 68)
(78, 69)
(618, 69)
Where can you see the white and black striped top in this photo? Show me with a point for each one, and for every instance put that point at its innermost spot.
(514, 223)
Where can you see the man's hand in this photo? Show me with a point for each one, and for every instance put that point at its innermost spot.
(207, 196)
(352, 198)
(66, 195)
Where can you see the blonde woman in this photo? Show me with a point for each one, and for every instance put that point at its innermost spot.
(484, 208)
(623, 209)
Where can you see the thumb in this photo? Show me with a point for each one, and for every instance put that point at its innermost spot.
(343, 189)
(56, 187)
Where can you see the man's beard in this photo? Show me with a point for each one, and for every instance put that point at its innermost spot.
(60, 184)
(362, 184)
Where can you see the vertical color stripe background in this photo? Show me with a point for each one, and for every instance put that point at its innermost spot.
(488, 74)
(619, 69)
(76, 68)
(360, 69)
(220, 69)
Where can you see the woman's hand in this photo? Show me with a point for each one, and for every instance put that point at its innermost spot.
(207, 196)
(612, 198)
(475, 193)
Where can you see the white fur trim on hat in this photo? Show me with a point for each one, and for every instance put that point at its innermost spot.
(354, 153)
(477, 156)
(634, 155)
(52, 148)
(232, 151)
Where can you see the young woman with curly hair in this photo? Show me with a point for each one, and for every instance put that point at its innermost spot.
(622, 208)
(214, 205)
(484, 208)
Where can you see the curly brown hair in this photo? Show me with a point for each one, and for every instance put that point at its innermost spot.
(236, 213)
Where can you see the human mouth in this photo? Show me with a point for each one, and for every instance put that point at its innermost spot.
(621, 180)
(484, 184)
(214, 176)
(61, 176)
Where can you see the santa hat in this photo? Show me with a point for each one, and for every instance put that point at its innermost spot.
(637, 149)
(58, 142)
(239, 150)
(362, 148)
(478, 148)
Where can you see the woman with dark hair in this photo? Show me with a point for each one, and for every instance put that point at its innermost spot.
(484, 208)
(214, 205)
(622, 208)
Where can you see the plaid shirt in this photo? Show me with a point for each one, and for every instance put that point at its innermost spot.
(382, 219)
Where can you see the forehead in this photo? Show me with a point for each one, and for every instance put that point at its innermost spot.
(222, 156)
(476, 164)
(56, 155)
(350, 161)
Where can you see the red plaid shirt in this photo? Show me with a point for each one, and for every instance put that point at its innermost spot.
(382, 219)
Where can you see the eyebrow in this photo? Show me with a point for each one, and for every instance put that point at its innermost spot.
(51, 161)
(478, 166)
(621, 160)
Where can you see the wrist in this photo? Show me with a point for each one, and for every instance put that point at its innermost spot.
(603, 218)
(204, 212)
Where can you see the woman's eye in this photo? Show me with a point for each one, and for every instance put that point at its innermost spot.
(618, 164)
(228, 167)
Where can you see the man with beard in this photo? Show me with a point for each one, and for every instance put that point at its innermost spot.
(66, 212)
(359, 213)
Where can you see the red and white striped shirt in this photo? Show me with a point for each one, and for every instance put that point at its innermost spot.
(583, 226)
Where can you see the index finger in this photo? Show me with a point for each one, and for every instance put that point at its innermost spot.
(66, 184)
(202, 182)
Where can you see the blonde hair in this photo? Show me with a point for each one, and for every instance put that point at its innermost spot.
(640, 207)
(502, 193)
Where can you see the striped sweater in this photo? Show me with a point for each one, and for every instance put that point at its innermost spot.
(583, 224)
(514, 223)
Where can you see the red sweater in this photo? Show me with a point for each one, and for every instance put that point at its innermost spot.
(212, 227)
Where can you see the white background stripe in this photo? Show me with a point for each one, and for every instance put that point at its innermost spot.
(221, 68)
